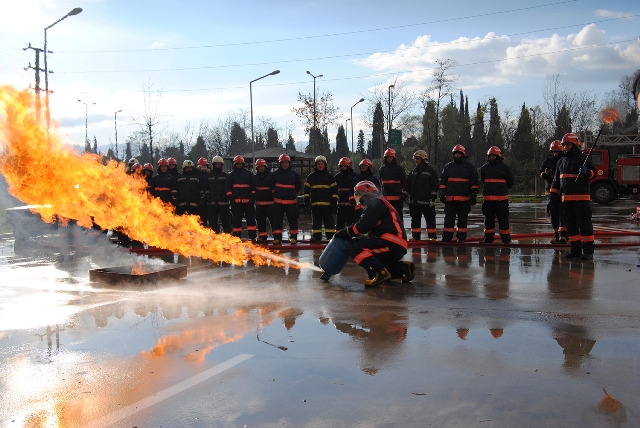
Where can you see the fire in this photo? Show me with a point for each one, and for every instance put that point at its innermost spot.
(609, 114)
(138, 269)
(44, 172)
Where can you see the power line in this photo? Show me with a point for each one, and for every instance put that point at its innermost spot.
(439, 21)
(338, 56)
(408, 71)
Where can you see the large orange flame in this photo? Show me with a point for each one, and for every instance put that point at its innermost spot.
(44, 172)
(609, 114)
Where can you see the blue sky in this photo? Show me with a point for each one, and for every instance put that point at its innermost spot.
(203, 54)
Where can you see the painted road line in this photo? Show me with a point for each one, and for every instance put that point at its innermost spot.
(136, 407)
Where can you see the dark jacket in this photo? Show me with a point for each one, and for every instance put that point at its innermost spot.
(380, 219)
(564, 181)
(344, 180)
(161, 186)
(215, 187)
(497, 180)
(321, 189)
(550, 162)
(240, 188)
(422, 185)
(285, 184)
(262, 184)
(187, 189)
(459, 180)
(392, 178)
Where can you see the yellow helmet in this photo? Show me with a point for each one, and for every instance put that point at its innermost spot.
(421, 154)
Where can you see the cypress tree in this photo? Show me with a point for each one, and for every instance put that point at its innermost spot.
(360, 148)
(342, 146)
(563, 123)
(377, 135)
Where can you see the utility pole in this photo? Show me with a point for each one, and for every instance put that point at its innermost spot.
(37, 70)
(535, 150)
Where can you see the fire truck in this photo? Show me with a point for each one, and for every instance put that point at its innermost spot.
(614, 176)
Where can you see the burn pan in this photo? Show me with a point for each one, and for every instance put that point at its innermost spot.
(122, 275)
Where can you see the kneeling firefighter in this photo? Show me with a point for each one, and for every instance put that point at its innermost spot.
(379, 253)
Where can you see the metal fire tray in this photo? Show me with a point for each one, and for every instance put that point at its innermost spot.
(121, 275)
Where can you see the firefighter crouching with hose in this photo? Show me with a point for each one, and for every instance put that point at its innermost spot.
(571, 186)
(380, 252)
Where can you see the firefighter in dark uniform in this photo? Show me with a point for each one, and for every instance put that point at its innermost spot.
(321, 197)
(497, 179)
(264, 199)
(554, 208)
(366, 174)
(162, 183)
(215, 193)
(392, 177)
(187, 190)
(346, 202)
(285, 185)
(173, 167)
(422, 191)
(202, 168)
(147, 173)
(458, 191)
(571, 184)
(380, 252)
(241, 192)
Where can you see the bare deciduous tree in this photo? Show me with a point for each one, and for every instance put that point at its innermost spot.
(403, 103)
(151, 117)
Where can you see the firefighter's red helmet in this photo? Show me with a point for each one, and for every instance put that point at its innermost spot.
(389, 152)
(136, 167)
(148, 167)
(365, 186)
(238, 159)
(172, 161)
(344, 161)
(459, 148)
(494, 150)
(284, 158)
(163, 162)
(571, 138)
(556, 146)
(203, 161)
(261, 162)
(366, 162)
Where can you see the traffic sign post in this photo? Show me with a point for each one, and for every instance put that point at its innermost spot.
(395, 138)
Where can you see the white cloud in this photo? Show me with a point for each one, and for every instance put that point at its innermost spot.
(497, 60)
(612, 14)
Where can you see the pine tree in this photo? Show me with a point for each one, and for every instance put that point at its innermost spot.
(291, 143)
(238, 139)
(377, 135)
(199, 150)
(478, 142)
(450, 134)
(181, 157)
(523, 141)
(87, 146)
(95, 145)
(360, 148)
(563, 123)
(326, 148)
(272, 139)
(429, 127)
(127, 151)
(144, 153)
(342, 146)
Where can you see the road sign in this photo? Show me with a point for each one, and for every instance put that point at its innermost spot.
(396, 137)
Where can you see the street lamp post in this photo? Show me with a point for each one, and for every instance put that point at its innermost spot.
(73, 12)
(535, 148)
(361, 100)
(389, 111)
(115, 124)
(346, 129)
(253, 141)
(314, 104)
(86, 121)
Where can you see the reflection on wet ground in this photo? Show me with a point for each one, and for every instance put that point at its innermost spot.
(484, 336)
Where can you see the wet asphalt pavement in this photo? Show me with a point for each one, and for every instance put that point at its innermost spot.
(484, 336)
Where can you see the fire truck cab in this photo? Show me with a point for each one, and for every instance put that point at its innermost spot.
(615, 177)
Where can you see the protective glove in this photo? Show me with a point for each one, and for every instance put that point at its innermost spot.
(473, 199)
(583, 170)
(432, 203)
(405, 196)
(343, 234)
